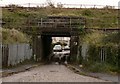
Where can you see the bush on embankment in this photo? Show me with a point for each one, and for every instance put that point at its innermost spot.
(95, 18)
(10, 36)
(103, 52)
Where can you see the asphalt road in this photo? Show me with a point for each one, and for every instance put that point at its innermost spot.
(49, 73)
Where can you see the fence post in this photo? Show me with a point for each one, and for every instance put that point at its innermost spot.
(101, 50)
(5, 55)
(41, 21)
(0, 56)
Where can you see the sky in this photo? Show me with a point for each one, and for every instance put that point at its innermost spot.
(89, 2)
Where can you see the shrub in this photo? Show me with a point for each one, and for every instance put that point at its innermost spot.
(102, 45)
(87, 12)
(102, 67)
(13, 36)
(96, 67)
(93, 53)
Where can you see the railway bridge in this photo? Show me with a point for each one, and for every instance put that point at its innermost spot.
(56, 26)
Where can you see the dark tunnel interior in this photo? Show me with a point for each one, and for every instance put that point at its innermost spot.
(43, 45)
(47, 45)
(47, 41)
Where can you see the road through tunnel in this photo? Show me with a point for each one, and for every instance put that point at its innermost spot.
(56, 26)
(44, 46)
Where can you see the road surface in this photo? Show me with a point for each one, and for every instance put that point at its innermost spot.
(49, 73)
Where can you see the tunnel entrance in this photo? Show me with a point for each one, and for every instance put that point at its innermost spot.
(44, 44)
(56, 26)
(47, 49)
(48, 42)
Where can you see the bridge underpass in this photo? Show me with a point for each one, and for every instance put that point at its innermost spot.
(56, 26)
(43, 45)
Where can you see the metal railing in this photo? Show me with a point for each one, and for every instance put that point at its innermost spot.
(43, 22)
(30, 24)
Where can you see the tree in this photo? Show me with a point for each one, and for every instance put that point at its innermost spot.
(109, 7)
(59, 5)
(13, 6)
(50, 4)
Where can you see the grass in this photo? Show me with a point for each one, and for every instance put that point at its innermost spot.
(10, 36)
(96, 40)
(96, 18)
(101, 68)
(99, 38)
(19, 18)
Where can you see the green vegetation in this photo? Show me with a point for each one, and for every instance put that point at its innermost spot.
(100, 38)
(95, 18)
(21, 18)
(101, 67)
(25, 19)
(10, 36)
(107, 43)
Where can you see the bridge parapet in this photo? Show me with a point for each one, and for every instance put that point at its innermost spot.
(62, 22)
(49, 24)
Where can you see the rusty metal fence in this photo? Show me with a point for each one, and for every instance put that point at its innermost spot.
(14, 54)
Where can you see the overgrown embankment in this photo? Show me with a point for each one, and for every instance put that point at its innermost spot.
(103, 47)
(12, 36)
(102, 51)
(25, 19)
(20, 18)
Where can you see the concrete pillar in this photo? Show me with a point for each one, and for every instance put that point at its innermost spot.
(0, 56)
(37, 48)
(74, 48)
